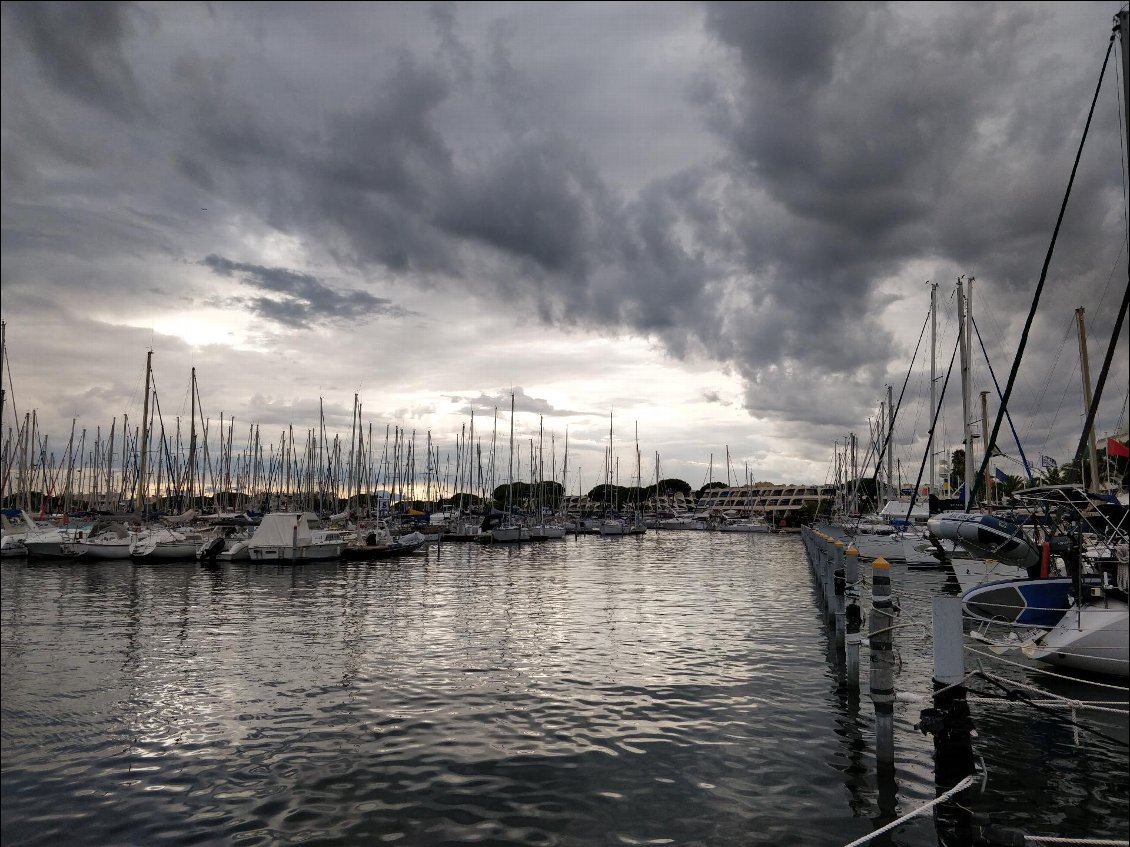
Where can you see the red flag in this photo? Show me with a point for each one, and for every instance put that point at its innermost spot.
(1116, 448)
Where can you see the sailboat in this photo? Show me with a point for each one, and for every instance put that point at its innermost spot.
(1082, 528)
(541, 529)
(613, 524)
(510, 530)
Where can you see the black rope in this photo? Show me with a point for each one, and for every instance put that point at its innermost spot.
(1011, 425)
(893, 413)
(1017, 696)
(930, 435)
(991, 443)
(1093, 410)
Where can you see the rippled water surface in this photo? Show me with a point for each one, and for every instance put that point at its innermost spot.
(679, 688)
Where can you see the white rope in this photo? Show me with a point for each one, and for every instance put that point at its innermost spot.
(1050, 704)
(898, 626)
(957, 789)
(997, 658)
(1017, 684)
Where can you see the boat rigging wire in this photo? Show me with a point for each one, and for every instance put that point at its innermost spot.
(893, 413)
(993, 375)
(1091, 412)
(1018, 695)
(933, 426)
(975, 483)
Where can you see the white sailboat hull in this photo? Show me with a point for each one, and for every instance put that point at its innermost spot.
(505, 534)
(301, 553)
(1092, 639)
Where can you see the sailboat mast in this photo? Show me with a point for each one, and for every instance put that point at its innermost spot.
(139, 489)
(510, 471)
(891, 495)
(987, 479)
(933, 380)
(966, 388)
(192, 445)
(1085, 370)
(609, 498)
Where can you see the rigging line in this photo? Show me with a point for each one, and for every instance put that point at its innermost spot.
(1121, 107)
(1022, 696)
(930, 434)
(992, 373)
(894, 413)
(976, 482)
(1038, 399)
(1102, 381)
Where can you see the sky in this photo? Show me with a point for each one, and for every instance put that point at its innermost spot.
(713, 227)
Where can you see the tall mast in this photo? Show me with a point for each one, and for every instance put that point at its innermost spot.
(933, 379)
(987, 480)
(609, 493)
(966, 388)
(1085, 370)
(510, 471)
(889, 438)
(139, 489)
(192, 447)
(3, 356)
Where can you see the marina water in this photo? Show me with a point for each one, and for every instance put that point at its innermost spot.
(676, 688)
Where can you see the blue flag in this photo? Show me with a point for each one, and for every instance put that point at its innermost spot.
(1048, 462)
(1000, 475)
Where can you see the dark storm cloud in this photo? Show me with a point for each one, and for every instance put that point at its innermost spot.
(822, 152)
(304, 300)
(872, 140)
(540, 202)
(78, 46)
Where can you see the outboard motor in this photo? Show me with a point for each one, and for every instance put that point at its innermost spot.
(212, 549)
(492, 521)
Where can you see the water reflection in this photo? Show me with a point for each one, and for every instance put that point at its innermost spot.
(676, 688)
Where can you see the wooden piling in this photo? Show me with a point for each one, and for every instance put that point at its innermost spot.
(882, 661)
(853, 616)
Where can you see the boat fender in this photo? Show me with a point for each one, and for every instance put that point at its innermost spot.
(1045, 559)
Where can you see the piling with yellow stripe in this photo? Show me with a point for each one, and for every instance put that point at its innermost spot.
(882, 661)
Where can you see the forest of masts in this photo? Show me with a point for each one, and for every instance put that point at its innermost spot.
(150, 467)
(208, 465)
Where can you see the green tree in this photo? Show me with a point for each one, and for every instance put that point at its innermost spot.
(1006, 488)
(1053, 476)
(673, 486)
(709, 486)
(957, 468)
(518, 496)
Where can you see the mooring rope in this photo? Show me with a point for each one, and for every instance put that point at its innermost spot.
(957, 789)
(1015, 694)
(996, 658)
(1081, 705)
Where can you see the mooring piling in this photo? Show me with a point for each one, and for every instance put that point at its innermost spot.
(882, 661)
(853, 615)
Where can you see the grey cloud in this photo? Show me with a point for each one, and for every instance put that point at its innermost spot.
(540, 201)
(488, 403)
(78, 46)
(829, 149)
(306, 301)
